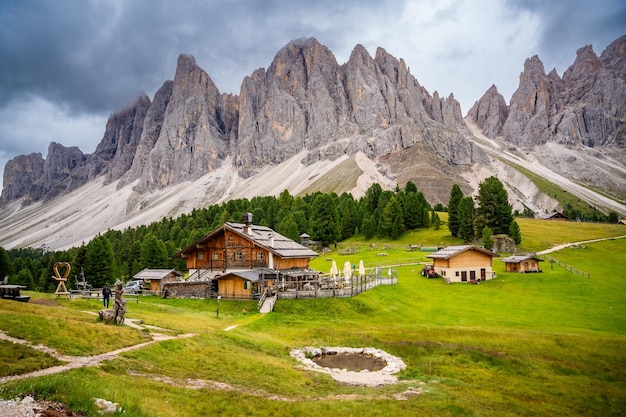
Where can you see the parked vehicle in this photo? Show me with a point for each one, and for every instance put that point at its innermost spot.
(429, 271)
(133, 287)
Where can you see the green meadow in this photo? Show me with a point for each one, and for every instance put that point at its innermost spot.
(543, 344)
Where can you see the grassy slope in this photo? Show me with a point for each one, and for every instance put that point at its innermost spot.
(532, 344)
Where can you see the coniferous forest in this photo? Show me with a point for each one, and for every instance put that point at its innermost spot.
(326, 217)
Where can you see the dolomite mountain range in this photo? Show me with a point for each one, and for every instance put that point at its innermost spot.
(307, 123)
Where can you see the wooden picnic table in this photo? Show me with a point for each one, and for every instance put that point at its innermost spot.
(12, 292)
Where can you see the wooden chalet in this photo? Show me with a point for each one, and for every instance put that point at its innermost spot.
(158, 277)
(243, 259)
(465, 263)
(522, 263)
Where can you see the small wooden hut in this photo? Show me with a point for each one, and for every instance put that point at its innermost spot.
(522, 263)
(158, 277)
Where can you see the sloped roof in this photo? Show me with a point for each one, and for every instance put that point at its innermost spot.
(515, 259)
(155, 274)
(554, 215)
(452, 251)
(263, 237)
(252, 275)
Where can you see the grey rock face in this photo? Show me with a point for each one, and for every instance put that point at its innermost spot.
(587, 106)
(153, 122)
(490, 112)
(192, 138)
(304, 101)
(20, 173)
(121, 139)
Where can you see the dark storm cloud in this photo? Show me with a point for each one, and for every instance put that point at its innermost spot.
(566, 26)
(66, 65)
(94, 56)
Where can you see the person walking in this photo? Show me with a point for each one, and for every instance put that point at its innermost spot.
(106, 295)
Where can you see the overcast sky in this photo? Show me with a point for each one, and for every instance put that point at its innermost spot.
(66, 65)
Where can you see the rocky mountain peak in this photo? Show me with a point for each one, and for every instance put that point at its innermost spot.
(20, 175)
(490, 112)
(614, 57)
(122, 136)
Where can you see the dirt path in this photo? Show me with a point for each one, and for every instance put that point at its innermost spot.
(73, 362)
(567, 245)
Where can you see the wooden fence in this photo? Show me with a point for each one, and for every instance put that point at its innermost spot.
(567, 267)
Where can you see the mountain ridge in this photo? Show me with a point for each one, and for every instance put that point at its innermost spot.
(307, 112)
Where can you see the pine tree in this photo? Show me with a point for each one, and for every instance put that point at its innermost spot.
(493, 209)
(368, 226)
(435, 221)
(392, 222)
(412, 211)
(5, 263)
(410, 187)
(99, 265)
(153, 253)
(324, 221)
(515, 233)
(453, 209)
(487, 235)
(466, 219)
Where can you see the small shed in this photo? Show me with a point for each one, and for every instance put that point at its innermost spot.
(622, 221)
(245, 284)
(522, 263)
(556, 215)
(158, 277)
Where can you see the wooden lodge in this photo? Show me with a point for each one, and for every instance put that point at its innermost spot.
(522, 263)
(243, 260)
(465, 263)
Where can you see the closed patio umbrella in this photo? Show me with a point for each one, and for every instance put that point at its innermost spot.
(347, 271)
(333, 269)
(361, 268)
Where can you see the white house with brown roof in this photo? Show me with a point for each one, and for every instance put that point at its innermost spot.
(464, 263)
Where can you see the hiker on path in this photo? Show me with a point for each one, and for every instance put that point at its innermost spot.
(106, 295)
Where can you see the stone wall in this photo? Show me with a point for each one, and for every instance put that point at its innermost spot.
(196, 289)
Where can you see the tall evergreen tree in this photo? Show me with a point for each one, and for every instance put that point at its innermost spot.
(153, 253)
(324, 221)
(493, 208)
(392, 222)
(453, 209)
(410, 187)
(288, 228)
(466, 219)
(487, 235)
(515, 233)
(99, 264)
(412, 212)
(349, 216)
(368, 226)
(5, 263)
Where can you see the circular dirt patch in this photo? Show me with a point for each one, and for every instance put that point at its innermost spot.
(354, 366)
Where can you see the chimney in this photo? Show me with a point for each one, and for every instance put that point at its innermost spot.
(247, 223)
(271, 245)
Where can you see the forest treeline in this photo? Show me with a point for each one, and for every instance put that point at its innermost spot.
(325, 217)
